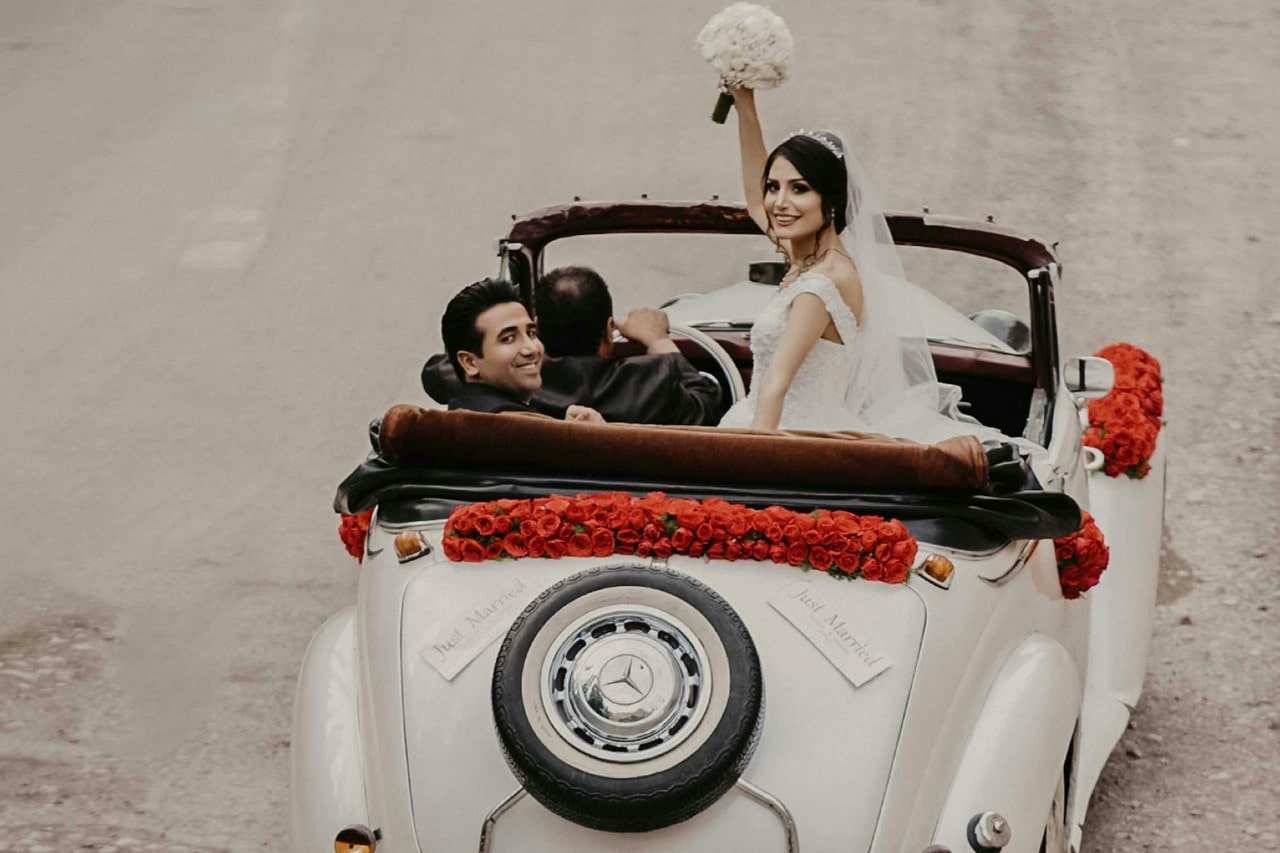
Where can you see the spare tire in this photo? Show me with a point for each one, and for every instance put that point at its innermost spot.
(628, 698)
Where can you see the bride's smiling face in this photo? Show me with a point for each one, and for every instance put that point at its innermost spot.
(794, 207)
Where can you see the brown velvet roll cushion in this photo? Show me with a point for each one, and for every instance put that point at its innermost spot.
(462, 440)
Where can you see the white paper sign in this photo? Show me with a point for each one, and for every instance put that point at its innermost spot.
(484, 620)
(841, 641)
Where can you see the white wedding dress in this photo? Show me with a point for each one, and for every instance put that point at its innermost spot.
(815, 399)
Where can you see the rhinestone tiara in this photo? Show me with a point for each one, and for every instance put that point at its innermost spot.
(819, 136)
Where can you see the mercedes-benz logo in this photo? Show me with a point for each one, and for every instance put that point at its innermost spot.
(626, 680)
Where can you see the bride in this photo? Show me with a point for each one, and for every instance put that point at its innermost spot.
(839, 346)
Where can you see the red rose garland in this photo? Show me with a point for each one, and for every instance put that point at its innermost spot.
(1082, 558)
(353, 530)
(1125, 423)
(600, 525)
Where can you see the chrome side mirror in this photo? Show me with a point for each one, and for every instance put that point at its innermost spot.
(1089, 377)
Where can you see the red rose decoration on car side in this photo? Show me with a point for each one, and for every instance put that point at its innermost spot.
(353, 530)
(600, 525)
(1082, 558)
(1125, 424)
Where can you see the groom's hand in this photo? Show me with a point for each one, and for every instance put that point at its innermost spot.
(584, 414)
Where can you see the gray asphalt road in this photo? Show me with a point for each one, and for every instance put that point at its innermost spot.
(227, 232)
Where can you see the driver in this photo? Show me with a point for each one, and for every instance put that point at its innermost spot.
(576, 324)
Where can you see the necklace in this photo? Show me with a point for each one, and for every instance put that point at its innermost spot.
(813, 260)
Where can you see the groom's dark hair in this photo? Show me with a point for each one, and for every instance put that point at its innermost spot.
(823, 170)
(458, 325)
(574, 308)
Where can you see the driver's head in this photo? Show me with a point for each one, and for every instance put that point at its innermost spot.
(491, 340)
(575, 312)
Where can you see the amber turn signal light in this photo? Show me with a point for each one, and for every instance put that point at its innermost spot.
(938, 567)
(356, 839)
(411, 544)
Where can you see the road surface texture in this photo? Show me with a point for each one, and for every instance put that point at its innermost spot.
(228, 230)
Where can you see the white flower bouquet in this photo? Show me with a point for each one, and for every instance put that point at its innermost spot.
(749, 47)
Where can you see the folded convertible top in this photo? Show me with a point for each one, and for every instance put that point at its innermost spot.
(800, 459)
(426, 462)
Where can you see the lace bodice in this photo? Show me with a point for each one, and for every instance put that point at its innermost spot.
(815, 399)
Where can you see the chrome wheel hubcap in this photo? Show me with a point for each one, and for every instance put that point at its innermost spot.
(625, 683)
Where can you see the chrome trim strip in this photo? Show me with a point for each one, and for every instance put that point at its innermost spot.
(1028, 548)
(486, 829)
(926, 546)
(776, 806)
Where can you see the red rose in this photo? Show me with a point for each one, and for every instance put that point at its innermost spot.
(760, 549)
(575, 512)
(493, 550)
(873, 570)
(681, 539)
(528, 529)
(537, 546)
(460, 520)
(651, 532)
(601, 543)
(778, 552)
(547, 525)
(697, 549)
(485, 525)
(353, 530)
(716, 551)
(452, 546)
(797, 552)
(905, 551)
(847, 563)
(896, 571)
(738, 526)
(472, 551)
(515, 545)
(691, 520)
(556, 548)
(773, 532)
(556, 504)
(662, 548)
(846, 523)
(579, 545)
(820, 558)
(704, 532)
(627, 536)
(644, 549)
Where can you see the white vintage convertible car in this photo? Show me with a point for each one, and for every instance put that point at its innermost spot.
(672, 702)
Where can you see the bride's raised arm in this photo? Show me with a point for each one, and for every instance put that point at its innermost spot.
(751, 144)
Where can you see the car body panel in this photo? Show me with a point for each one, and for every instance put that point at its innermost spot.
(808, 702)
(1026, 726)
(1130, 514)
(325, 758)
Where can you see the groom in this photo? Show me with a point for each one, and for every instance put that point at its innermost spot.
(494, 348)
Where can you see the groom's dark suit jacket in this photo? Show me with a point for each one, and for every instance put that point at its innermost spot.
(641, 389)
